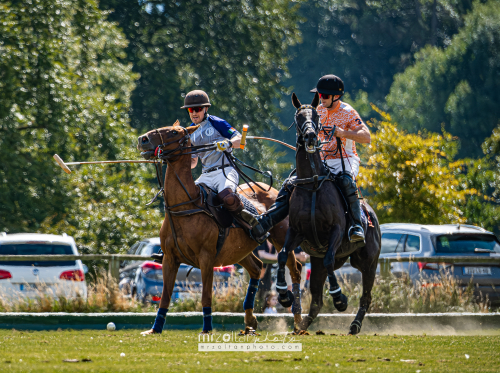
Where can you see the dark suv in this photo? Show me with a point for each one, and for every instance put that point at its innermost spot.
(421, 241)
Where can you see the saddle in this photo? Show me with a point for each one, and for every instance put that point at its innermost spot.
(223, 218)
(365, 220)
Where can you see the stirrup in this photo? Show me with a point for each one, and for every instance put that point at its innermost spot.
(259, 239)
(157, 258)
(355, 235)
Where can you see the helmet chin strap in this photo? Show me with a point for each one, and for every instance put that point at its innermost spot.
(333, 101)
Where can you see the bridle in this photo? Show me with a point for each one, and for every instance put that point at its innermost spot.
(308, 124)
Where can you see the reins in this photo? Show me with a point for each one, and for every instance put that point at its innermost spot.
(161, 155)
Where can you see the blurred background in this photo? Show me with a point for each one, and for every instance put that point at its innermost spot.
(84, 78)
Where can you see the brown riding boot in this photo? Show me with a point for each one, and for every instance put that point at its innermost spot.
(233, 204)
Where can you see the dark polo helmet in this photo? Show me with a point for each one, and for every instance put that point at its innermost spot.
(329, 85)
(195, 99)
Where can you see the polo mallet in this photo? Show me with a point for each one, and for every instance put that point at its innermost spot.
(66, 169)
(244, 137)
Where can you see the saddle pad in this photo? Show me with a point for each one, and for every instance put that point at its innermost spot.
(248, 205)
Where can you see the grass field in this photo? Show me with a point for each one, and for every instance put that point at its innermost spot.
(178, 351)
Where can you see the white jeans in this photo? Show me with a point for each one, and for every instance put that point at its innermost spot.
(217, 179)
(351, 165)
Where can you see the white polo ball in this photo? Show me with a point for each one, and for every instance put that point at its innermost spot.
(111, 326)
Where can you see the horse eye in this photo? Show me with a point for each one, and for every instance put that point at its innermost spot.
(174, 132)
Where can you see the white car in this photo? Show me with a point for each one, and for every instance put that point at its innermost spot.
(30, 279)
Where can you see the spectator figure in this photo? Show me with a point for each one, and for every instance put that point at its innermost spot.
(267, 252)
(271, 300)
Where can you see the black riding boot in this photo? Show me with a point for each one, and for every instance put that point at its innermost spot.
(276, 213)
(234, 205)
(350, 191)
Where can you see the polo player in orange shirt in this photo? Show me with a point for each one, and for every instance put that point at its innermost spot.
(339, 119)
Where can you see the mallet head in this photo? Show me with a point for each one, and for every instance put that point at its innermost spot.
(61, 163)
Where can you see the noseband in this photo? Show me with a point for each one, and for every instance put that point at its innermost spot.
(304, 126)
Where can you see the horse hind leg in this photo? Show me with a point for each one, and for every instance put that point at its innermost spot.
(295, 268)
(368, 278)
(254, 266)
(317, 282)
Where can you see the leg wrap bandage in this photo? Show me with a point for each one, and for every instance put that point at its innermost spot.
(253, 286)
(207, 319)
(160, 320)
(296, 307)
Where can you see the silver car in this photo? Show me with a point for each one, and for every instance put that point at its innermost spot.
(422, 241)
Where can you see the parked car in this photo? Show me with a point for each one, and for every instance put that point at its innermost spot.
(144, 280)
(28, 278)
(422, 241)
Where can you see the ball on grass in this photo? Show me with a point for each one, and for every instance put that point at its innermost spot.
(111, 326)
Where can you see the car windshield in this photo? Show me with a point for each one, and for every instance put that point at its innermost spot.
(467, 243)
(36, 249)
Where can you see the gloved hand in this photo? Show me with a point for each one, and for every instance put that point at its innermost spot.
(223, 145)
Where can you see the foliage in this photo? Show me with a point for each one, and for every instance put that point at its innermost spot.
(456, 86)
(234, 50)
(64, 89)
(412, 177)
(491, 148)
(380, 36)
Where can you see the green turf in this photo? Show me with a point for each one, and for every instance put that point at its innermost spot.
(178, 351)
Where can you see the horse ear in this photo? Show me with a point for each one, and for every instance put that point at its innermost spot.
(295, 101)
(191, 129)
(315, 101)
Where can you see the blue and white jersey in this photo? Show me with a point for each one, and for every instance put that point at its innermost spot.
(212, 129)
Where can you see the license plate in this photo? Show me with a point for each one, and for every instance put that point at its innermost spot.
(477, 270)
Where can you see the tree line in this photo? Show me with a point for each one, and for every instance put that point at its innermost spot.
(84, 78)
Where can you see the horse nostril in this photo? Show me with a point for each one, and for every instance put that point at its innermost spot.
(144, 140)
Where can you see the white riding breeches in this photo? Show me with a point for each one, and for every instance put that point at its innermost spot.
(220, 179)
(351, 165)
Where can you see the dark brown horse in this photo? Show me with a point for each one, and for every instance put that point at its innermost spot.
(197, 233)
(318, 223)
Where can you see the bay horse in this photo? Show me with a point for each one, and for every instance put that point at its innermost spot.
(317, 220)
(188, 235)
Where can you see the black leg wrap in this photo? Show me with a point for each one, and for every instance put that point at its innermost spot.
(355, 327)
(296, 306)
(281, 286)
(286, 300)
(339, 300)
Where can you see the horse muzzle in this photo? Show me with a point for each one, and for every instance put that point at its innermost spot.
(310, 142)
(144, 145)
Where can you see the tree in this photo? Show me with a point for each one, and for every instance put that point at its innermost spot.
(235, 50)
(367, 42)
(456, 86)
(64, 89)
(412, 177)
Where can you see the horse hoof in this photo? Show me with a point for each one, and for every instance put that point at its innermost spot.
(340, 303)
(286, 300)
(355, 327)
(252, 324)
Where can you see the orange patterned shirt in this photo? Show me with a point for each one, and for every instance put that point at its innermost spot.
(344, 117)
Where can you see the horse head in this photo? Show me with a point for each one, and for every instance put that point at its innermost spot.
(166, 141)
(307, 123)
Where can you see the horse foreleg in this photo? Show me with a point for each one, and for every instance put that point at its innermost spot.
(169, 271)
(254, 266)
(295, 268)
(339, 299)
(317, 281)
(207, 280)
(368, 277)
(292, 240)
